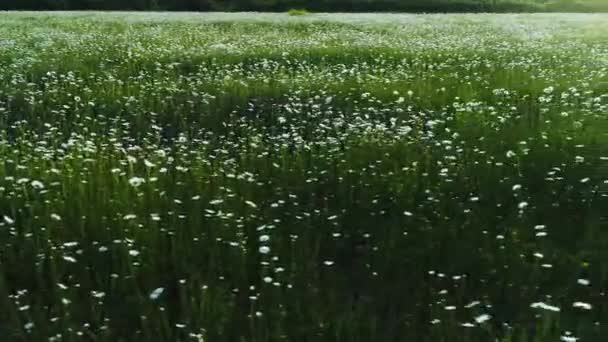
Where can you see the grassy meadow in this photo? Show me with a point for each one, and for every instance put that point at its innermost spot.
(327, 177)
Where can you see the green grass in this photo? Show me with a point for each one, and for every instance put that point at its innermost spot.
(236, 177)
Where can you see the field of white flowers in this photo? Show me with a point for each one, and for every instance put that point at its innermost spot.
(332, 177)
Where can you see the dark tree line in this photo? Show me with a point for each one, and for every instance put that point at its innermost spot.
(271, 5)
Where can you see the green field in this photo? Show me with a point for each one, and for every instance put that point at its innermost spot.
(329, 177)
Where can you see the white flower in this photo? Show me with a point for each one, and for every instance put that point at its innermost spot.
(136, 181)
(482, 318)
(264, 249)
(129, 217)
(37, 185)
(69, 259)
(582, 305)
(472, 304)
(264, 238)
(8, 220)
(541, 305)
(583, 282)
(98, 294)
(267, 280)
(156, 293)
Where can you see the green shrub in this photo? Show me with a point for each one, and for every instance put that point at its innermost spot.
(577, 6)
(297, 12)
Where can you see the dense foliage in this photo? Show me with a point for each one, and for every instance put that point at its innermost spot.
(237, 177)
(317, 5)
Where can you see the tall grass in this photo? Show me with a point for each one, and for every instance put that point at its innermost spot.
(339, 178)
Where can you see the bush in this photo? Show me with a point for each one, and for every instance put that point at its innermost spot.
(565, 6)
(577, 6)
(297, 12)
